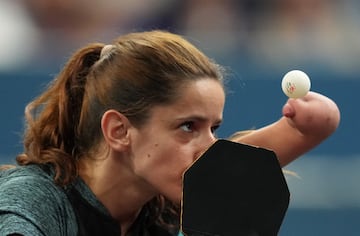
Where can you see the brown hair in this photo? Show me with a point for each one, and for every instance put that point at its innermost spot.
(137, 72)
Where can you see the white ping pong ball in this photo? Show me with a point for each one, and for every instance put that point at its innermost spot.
(295, 84)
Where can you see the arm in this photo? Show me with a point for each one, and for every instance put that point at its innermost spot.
(306, 122)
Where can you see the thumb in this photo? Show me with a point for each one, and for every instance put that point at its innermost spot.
(288, 111)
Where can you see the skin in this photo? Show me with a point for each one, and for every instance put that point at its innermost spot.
(306, 122)
(135, 164)
(176, 135)
(142, 163)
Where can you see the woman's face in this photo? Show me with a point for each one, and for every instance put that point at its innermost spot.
(175, 135)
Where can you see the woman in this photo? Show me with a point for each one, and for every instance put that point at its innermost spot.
(107, 143)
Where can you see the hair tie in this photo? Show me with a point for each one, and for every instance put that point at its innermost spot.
(106, 51)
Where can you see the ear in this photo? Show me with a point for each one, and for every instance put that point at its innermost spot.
(115, 127)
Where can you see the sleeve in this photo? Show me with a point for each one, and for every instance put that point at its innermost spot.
(31, 206)
(14, 224)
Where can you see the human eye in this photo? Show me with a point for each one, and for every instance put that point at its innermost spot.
(214, 128)
(187, 126)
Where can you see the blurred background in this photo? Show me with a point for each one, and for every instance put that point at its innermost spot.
(257, 41)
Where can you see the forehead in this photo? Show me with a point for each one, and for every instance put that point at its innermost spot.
(203, 90)
(203, 97)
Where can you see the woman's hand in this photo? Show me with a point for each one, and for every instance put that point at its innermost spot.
(306, 122)
(315, 115)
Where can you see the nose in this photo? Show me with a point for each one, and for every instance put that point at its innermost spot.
(204, 143)
(212, 137)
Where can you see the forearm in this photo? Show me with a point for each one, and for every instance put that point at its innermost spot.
(305, 124)
(287, 142)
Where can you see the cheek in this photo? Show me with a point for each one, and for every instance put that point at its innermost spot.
(164, 169)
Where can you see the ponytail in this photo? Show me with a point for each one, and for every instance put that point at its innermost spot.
(52, 119)
(70, 100)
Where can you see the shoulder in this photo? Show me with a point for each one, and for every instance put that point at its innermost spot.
(20, 182)
(29, 194)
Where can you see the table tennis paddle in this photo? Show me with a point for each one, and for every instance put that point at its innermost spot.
(234, 189)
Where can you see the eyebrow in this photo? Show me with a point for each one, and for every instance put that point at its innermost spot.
(198, 118)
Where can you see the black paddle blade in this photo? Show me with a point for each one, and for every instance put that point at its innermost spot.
(234, 189)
